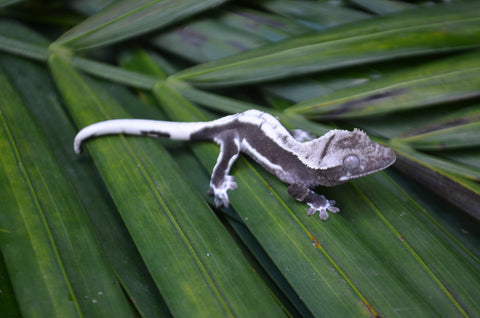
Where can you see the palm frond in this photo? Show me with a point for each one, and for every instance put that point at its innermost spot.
(128, 229)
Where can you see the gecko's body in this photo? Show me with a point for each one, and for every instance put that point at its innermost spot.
(332, 159)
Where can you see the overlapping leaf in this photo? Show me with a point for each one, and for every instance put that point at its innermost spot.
(410, 33)
(125, 19)
(460, 131)
(47, 237)
(319, 16)
(450, 180)
(450, 79)
(5, 3)
(381, 6)
(32, 80)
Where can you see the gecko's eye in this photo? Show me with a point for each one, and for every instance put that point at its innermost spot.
(351, 162)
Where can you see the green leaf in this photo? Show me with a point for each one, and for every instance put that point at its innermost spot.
(444, 178)
(116, 74)
(165, 216)
(455, 274)
(224, 33)
(268, 26)
(125, 19)
(316, 15)
(32, 81)
(17, 39)
(381, 7)
(410, 33)
(450, 79)
(466, 156)
(89, 7)
(8, 303)
(5, 3)
(47, 237)
(455, 132)
(205, 40)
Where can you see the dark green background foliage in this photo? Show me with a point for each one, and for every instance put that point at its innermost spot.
(127, 228)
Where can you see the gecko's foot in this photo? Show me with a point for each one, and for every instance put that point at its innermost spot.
(322, 209)
(220, 191)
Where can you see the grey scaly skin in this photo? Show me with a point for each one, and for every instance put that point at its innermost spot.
(301, 161)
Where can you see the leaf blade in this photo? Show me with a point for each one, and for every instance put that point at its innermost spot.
(346, 45)
(32, 81)
(34, 258)
(450, 79)
(125, 19)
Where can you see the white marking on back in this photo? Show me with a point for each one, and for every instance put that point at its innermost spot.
(307, 152)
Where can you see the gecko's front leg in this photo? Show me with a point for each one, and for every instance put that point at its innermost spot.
(221, 181)
(317, 202)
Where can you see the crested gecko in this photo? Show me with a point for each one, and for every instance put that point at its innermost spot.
(298, 159)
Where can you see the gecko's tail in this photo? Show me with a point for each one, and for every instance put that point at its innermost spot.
(141, 127)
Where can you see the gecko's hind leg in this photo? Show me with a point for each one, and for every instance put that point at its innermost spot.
(221, 181)
(315, 201)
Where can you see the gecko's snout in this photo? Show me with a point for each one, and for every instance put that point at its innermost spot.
(389, 157)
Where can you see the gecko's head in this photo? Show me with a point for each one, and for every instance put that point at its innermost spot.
(348, 155)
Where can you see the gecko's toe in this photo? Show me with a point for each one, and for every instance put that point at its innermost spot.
(323, 209)
(312, 210)
(331, 206)
(323, 215)
(333, 209)
(220, 197)
(228, 183)
(222, 200)
(220, 191)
